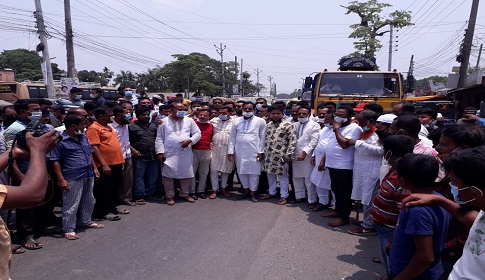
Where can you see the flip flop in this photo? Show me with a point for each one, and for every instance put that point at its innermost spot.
(31, 244)
(112, 217)
(123, 211)
(95, 226)
(71, 236)
(17, 250)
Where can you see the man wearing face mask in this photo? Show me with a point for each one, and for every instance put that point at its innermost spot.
(130, 96)
(279, 149)
(75, 97)
(122, 118)
(367, 164)
(320, 118)
(340, 162)
(108, 157)
(173, 147)
(246, 148)
(146, 166)
(259, 103)
(28, 229)
(307, 139)
(320, 176)
(73, 165)
(202, 155)
(96, 94)
(219, 162)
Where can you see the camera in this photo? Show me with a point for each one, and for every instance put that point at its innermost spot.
(36, 127)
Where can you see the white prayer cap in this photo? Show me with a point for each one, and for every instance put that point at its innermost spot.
(387, 118)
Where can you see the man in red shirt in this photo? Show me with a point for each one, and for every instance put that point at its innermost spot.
(202, 154)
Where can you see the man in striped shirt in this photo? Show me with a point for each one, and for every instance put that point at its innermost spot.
(385, 210)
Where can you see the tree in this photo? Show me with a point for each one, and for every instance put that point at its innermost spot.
(194, 72)
(422, 83)
(26, 64)
(126, 79)
(371, 23)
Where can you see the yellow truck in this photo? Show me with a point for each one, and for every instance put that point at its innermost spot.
(356, 83)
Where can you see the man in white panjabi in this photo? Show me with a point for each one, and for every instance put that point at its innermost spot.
(306, 140)
(246, 147)
(219, 161)
(175, 136)
(320, 176)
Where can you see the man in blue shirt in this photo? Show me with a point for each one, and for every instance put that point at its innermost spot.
(75, 171)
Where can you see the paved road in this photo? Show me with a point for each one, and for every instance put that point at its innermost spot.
(211, 239)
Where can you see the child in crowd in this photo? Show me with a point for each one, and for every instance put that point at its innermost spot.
(420, 233)
(427, 117)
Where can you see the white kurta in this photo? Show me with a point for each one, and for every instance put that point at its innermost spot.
(220, 145)
(307, 139)
(321, 179)
(367, 164)
(178, 162)
(247, 139)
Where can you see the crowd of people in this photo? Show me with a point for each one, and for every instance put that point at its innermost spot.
(413, 175)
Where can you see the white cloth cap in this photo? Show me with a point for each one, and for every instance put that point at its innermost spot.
(387, 118)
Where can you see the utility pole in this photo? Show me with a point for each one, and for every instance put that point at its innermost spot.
(257, 72)
(410, 77)
(220, 50)
(69, 38)
(270, 79)
(479, 56)
(236, 85)
(241, 78)
(389, 62)
(49, 82)
(467, 44)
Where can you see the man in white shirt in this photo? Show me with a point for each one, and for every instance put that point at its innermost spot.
(307, 138)
(173, 147)
(121, 120)
(340, 162)
(246, 147)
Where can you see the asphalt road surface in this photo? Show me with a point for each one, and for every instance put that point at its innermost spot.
(211, 239)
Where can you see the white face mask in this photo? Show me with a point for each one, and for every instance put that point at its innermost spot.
(340, 119)
(259, 106)
(247, 114)
(35, 116)
(303, 120)
(93, 96)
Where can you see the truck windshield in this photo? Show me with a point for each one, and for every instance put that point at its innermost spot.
(358, 83)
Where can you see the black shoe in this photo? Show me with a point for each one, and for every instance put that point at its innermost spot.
(242, 196)
(254, 198)
(202, 195)
(194, 196)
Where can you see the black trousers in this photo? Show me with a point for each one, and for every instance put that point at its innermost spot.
(341, 181)
(106, 191)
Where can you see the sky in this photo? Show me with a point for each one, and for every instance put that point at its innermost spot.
(286, 40)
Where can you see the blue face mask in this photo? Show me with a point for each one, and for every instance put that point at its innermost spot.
(455, 192)
(128, 93)
(365, 128)
(79, 97)
(128, 117)
(181, 114)
(223, 117)
(288, 112)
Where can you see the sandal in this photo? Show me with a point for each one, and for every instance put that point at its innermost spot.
(213, 195)
(95, 226)
(282, 201)
(17, 250)
(71, 236)
(122, 211)
(376, 260)
(110, 217)
(31, 244)
(140, 201)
